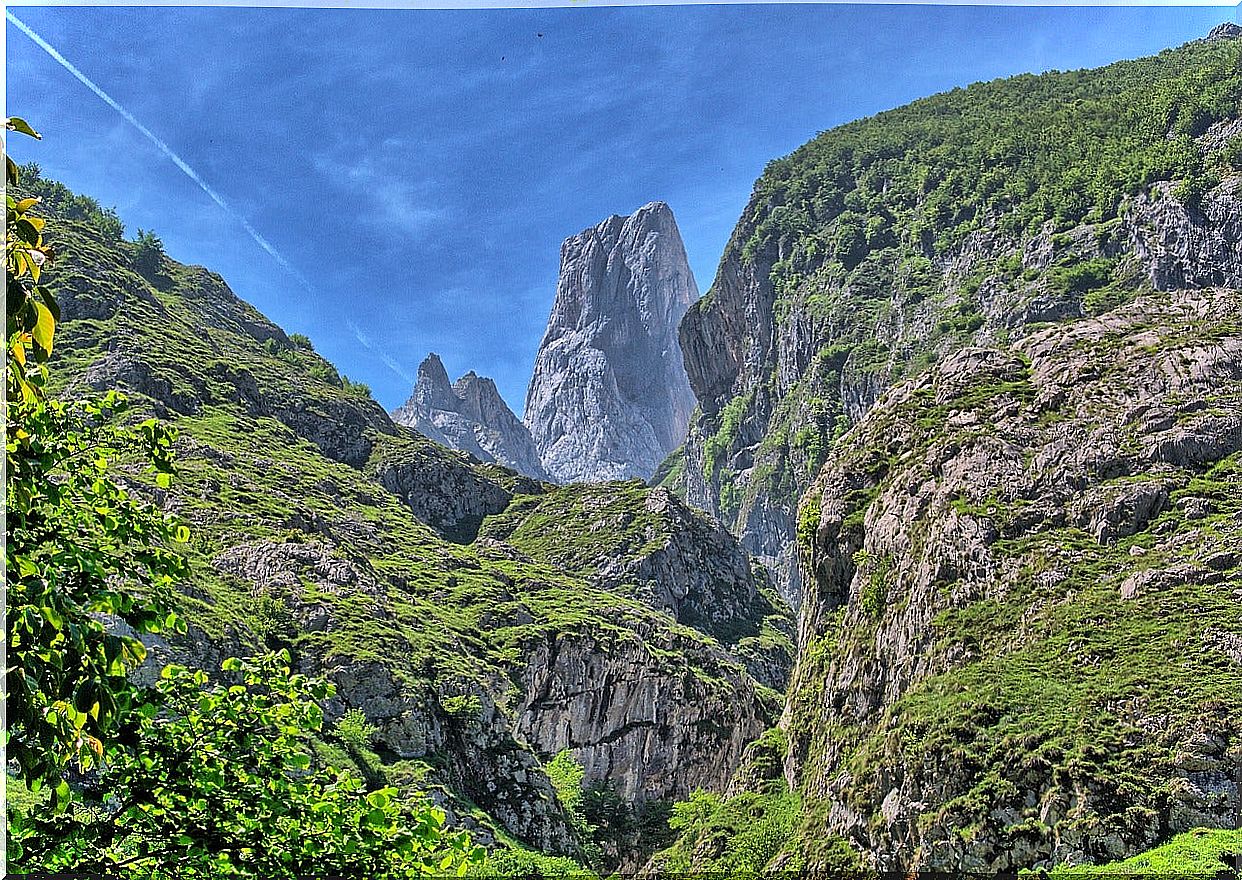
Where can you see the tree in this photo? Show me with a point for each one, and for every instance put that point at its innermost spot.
(148, 253)
(566, 773)
(80, 549)
(30, 310)
(221, 783)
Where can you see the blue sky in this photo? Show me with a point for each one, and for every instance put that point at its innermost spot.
(420, 168)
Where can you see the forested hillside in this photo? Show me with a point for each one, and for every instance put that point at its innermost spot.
(452, 603)
(1002, 328)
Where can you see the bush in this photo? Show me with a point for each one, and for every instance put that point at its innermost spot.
(358, 389)
(1083, 277)
(462, 706)
(221, 783)
(355, 730)
(148, 254)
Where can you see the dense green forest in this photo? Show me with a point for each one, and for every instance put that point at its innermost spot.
(1011, 155)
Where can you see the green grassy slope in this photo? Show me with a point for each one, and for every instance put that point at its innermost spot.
(320, 526)
(1202, 854)
(1040, 662)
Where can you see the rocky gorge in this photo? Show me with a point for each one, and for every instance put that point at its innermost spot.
(482, 620)
(915, 544)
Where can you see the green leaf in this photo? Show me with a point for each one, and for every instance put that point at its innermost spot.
(16, 123)
(44, 328)
(27, 231)
(377, 818)
(49, 301)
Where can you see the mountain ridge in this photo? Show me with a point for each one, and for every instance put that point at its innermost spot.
(468, 415)
(997, 331)
(320, 526)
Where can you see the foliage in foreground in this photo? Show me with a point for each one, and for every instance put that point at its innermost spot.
(80, 549)
(220, 782)
(191, 778)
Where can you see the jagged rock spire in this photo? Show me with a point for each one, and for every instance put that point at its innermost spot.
(609, 398)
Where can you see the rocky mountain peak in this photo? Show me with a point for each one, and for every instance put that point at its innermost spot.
(609, 398)
(432, 390)
(469, 415)
(481, 400)
(1226, 30)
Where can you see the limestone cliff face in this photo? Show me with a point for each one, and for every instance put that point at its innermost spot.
(469, 415)
(636, 715)
(652, 711)
(609, 398)
(776, 386)
(1023, 593)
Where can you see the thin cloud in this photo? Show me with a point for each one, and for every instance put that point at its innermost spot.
(159, 145)
(194, 176)
(389, 361)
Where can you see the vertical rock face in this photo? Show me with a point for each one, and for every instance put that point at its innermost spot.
(469, 415)
(609, 398)
(963, 542)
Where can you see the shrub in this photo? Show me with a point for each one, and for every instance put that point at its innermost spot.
(354, 729)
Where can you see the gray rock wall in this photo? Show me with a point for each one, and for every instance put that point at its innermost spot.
(469, 415)
(609, 398)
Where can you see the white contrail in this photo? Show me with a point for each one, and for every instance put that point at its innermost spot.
(159, 144)
(202, 184)
(365, 342)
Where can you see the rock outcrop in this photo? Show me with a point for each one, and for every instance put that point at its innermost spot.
(609, 398)
(776, 386)
(1032, 546)
(469, 415)
(650, 545)
(635, 714)
(1226, 30)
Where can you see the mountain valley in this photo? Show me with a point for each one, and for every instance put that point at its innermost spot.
(914, 544)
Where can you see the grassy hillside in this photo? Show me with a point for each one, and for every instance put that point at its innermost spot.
(319, 525)
(1202, 854)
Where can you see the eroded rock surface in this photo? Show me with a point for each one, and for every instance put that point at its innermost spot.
(609, 397)
(469, 415)
(1044, 532)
